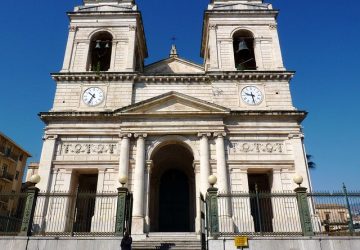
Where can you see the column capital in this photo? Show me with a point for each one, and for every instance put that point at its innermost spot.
(204, 134)
(149, 165)
(125, 135)
(140, 135)
(220, 134)
(50, 137)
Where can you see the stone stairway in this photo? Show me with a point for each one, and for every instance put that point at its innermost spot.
(169, 241)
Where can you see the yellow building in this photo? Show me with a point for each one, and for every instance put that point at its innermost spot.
(12, 166)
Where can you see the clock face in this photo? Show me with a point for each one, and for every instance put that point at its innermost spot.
(251, 95)
(93, 96)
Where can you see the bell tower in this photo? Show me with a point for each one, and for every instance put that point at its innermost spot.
(105, 35)
(241, 35)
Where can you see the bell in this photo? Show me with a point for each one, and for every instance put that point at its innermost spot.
(242, 46)
(107, 45)
(98, 46)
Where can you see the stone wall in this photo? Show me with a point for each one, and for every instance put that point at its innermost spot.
(296, 243)
(103, 243)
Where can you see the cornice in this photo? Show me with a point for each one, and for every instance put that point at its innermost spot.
(156, 78)
(113, 115)
(244, 12)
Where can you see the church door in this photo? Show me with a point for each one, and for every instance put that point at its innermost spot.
(174, 207)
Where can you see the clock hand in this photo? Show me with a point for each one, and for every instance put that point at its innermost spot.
(248, 94)
(92, 97)
(252, 95)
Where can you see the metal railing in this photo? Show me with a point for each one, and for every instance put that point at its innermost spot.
(11, 212)
(259, 214)
(79, 214)
(279, 214)
(336, 213)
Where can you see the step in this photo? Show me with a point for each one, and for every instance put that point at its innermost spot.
(169, 241)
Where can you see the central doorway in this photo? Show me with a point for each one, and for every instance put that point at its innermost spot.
(172, 190)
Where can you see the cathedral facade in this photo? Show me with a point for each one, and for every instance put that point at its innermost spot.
(169, 125)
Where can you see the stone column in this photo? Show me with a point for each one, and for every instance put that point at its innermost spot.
(124, 155)
(45, 165)
(149, 165)
(222, 171)
(130, 66)
(226, 223)
(204, 162)
(69, 48)
(214, 62)
(258, 54)
(139, 185)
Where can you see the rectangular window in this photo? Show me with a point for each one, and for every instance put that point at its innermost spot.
(17, 175)
(21, 157)
(7, 151)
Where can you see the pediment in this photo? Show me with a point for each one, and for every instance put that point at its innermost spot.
(173, 103)
(174, 65)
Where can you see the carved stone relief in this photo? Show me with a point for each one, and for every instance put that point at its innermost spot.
(88, 148)
(256, 147)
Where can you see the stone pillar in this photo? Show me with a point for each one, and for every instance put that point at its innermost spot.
(130, 65)
(139, 186)
(226, 223)
(149, 165)
(124, 155)
(222, 171)
(214, 62)
(204, 162)
(258, 54)
(69, 48)
(45, 164)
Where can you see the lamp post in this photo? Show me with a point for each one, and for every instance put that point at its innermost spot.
(31, 197)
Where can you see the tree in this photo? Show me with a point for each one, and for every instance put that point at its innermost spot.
(311, 163)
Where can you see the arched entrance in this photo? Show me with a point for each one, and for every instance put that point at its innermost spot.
(172, 190)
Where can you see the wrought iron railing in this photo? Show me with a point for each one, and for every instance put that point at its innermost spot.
(259, 214)
(75, 214)
(279, 214)
(11, 212)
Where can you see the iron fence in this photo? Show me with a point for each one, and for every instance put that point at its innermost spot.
(278, 214)
(78, 214)
(336, 213)
(12, 207)
(259, 214)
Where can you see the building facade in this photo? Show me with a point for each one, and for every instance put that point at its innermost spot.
(169, 125)
(12, 167)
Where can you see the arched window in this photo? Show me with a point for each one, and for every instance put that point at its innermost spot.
(243, 43)
(100, 52)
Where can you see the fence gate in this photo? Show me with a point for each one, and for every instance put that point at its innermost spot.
(204, 222)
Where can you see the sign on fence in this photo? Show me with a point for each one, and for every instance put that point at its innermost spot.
(241, 241)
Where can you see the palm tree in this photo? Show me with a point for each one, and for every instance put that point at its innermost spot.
(311, 163)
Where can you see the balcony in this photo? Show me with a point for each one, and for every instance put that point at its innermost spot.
(6, 176)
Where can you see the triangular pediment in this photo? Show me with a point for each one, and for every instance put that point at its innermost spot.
(174, 65)
(173, 103)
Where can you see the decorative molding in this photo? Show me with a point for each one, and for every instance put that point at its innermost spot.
(88, 148)
(160, 79)
(212, 26)
(203, 134)
(296, 136)
(256, 147)
(125, 135)
(273, 26)
(217, 91)
(50, 137)
(132, 27)
(220, 134)
(72, 28)
(140, 135)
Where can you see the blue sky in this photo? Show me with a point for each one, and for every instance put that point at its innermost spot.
(319, 40)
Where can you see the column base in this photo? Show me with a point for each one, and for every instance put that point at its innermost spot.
(137, 226)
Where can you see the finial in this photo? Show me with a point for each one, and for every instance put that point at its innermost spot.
(173, 51)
